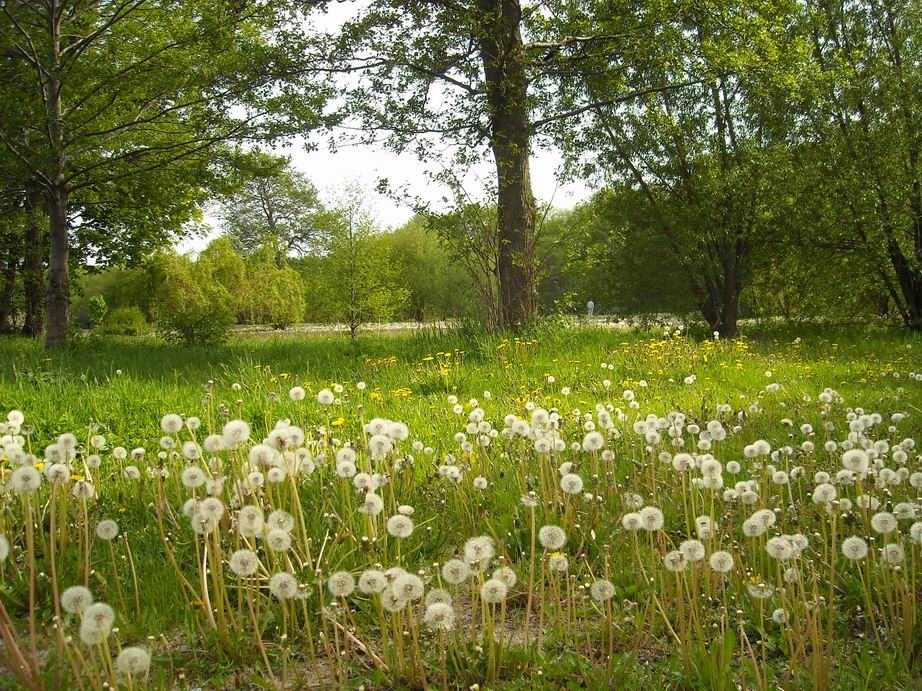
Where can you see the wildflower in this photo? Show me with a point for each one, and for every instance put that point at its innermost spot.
(392, 601)
(493, 591)
(674, 561)
(96, 623)
(372, 505)
(192, 477)
(455, 571)
(854, 548)
(171, 423)
(235, 433)
(281, 520)
(480, 482)
(632, 521)
(341, 584)
(439, 616)
(855, 460)
(883, 522)
(552, 537)
(76, 599)
(438, 595)
(780, 616)
(408, 586)
(824, 493)
(894, 554)
(243, 563)
(325, 397)
(131, 472)
(760, 590)
(915, 532)
(558, 563)
(506, 575)
(479, 551)
(652, 518)
(211, 509)
(780, 548)
(26, 479)
(132, 661)
(278, 540)
(57, 473)
(593, 441)
(602, 590)
(297, 393)
(107, 529)
(571, 483)
(400, 526)
(283, 586)
(692, 550)
(250, 521)
(83, 489)
(721, 561)
(372, 581)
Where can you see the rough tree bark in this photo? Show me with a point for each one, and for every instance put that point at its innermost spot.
(33, 266)
(8, 284)
(57, 295)
(504, 63)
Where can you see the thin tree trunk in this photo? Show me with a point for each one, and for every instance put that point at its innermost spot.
(58, 291)
(7, 316)
(33, 270)
(503, 57)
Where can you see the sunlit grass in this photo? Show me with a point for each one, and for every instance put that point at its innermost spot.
(692, 625)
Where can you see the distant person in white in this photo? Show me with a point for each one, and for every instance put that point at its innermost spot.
(590, 308)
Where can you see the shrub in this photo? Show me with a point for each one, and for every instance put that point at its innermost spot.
(196, 324)
(97, 310)
(124, 321)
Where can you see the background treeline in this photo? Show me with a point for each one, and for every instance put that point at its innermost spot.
(752, 159)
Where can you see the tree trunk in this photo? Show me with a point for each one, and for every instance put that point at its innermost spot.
(58, 292)
(7, 316)
(503, 57)
(33, 270)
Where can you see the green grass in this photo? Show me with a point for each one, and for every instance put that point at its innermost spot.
(126, 385)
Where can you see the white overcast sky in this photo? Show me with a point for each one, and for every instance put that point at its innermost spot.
(331, 170)
(365, 165)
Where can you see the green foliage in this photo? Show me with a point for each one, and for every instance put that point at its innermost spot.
(96, 310)
(188, 306)
(271, 203)
(355, 279)
(438, 285)
(124, 321)
(274, 294)
(196, 325)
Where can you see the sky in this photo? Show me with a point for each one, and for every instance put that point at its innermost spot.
(330, 170)
(365, 164)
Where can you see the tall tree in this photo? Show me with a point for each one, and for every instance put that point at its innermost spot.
(270, 202)
(473, 74)
(861, 138)
(115, 90)
(705, 157)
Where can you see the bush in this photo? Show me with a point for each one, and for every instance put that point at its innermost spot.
(124, 321)
(196, 325)
(97, 310)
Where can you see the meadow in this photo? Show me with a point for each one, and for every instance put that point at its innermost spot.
(566, 508)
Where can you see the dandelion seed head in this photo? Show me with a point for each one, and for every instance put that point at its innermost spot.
(107, 529)
(372, 581)
(283, 586)
(341, 584)
(244, 563)
(552, 537)
(493, 591)
(76, 599)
